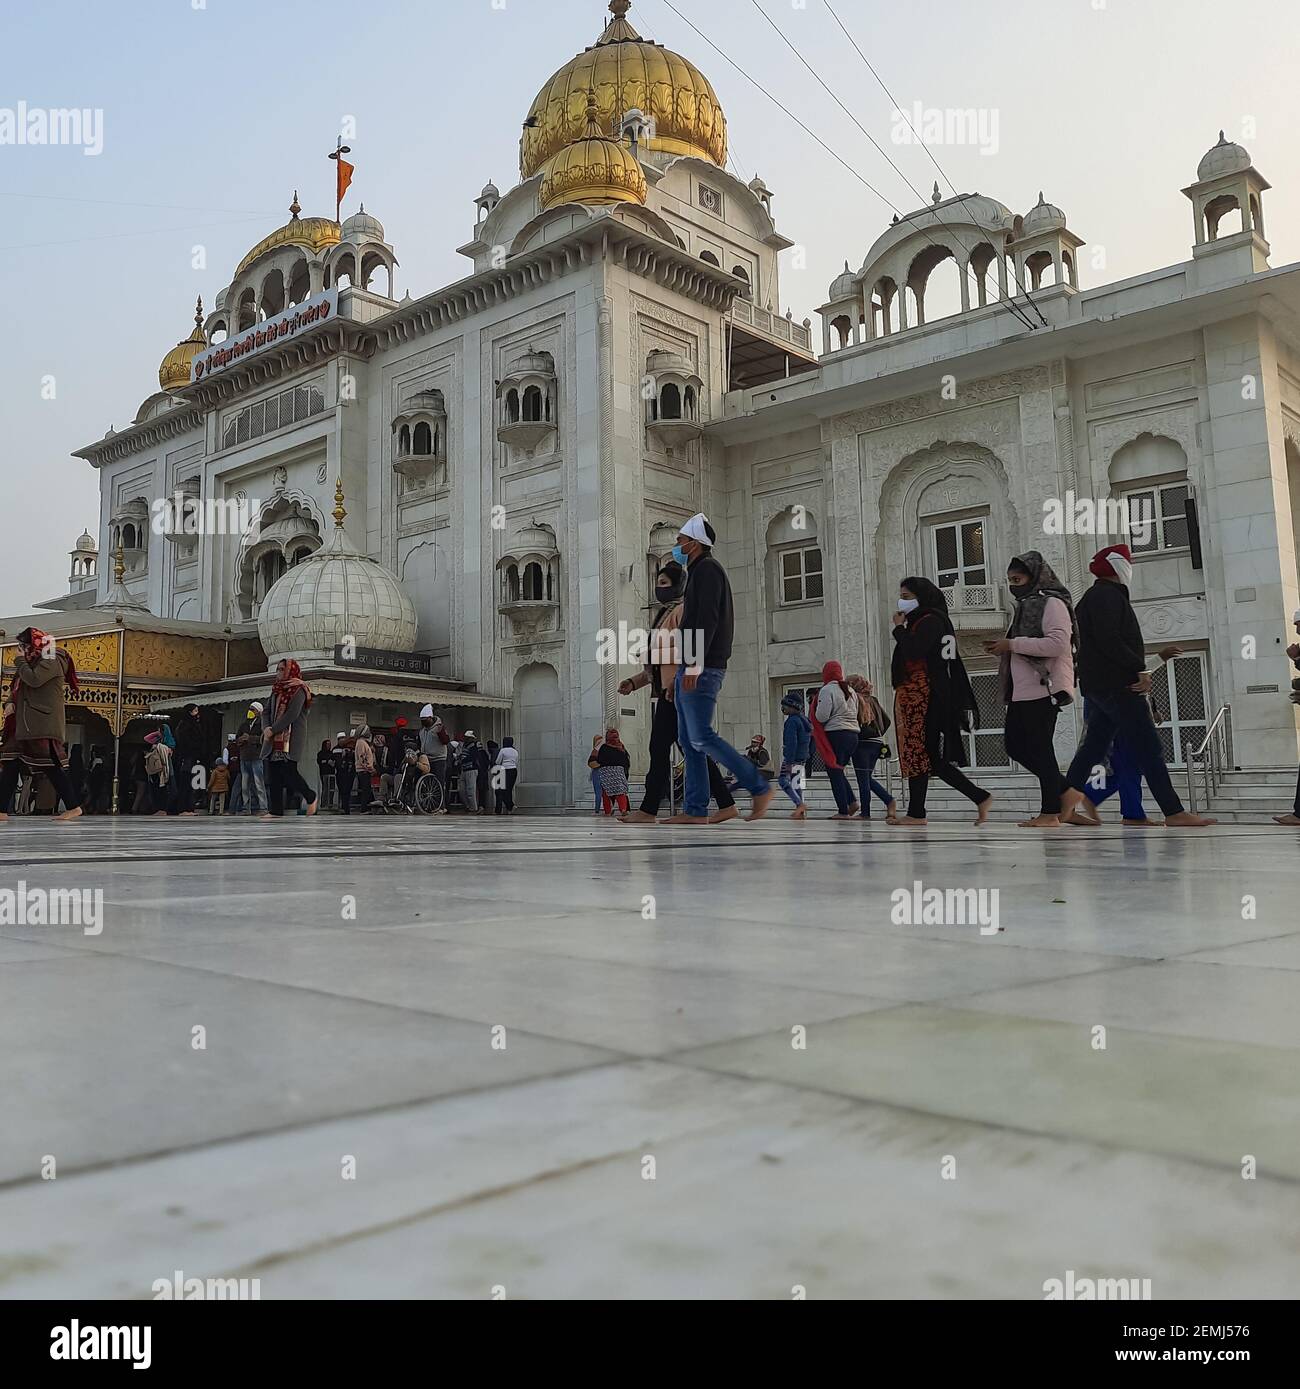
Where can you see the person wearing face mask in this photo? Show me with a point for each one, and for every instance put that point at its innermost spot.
(1036, 676)
(934, 703)
(252, 770)
(1115, 681)
(660, 673)
(707, 623)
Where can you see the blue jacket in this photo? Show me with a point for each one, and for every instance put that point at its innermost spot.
(796, 738)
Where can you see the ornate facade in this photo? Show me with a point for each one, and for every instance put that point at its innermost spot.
(518, 448)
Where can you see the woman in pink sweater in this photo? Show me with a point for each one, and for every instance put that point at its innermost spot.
(1036, 673)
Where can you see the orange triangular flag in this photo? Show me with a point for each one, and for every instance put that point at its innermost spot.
(344, 178)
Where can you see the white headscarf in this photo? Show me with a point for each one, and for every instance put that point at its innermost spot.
(694, 528)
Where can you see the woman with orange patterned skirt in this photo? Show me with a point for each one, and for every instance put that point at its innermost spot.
(934, 703)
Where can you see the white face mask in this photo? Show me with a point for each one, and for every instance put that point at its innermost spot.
(908, 605)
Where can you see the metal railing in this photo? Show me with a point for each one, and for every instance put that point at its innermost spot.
(1211, 760)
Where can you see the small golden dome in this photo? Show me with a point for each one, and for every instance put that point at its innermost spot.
(175, 368)
(626, 71)
(596, 169)
(316, 233)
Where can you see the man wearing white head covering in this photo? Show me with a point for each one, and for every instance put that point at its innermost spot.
(1114, 679)
(706, 628)
(434, 742)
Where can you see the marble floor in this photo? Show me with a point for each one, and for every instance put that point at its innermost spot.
(554, 1057)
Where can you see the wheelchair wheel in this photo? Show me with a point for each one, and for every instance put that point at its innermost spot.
(428, 795)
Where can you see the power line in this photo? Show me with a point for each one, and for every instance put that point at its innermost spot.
(894, 102)
(1008, 303)
(113, 202)
(119, 236)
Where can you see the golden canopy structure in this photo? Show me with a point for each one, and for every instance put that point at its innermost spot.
(597, 170)
(316, 233)
(174, 370)
(626, 71)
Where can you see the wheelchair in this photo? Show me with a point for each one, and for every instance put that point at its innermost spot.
(418, 792)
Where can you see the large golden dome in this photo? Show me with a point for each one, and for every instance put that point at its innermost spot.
(175, 368)
(626, 71)
(597, 169)
(314, 232)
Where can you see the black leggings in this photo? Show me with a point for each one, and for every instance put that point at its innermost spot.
(663, 734)
(58, 779)
(1030, 727)
(946, 772)
(282, 776)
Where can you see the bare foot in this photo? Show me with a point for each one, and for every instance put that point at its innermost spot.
(685, 820)
(1186, 820)
(720, 817)
(268, 816)
(891, 812)
(314, 806)
(761, 803)
(1277, 819)
(839, 817)
(853, 810)
(982, 811)
(1140, 824)
(1041, 822)
(157, 813)
(3, 818)
(186, 815)
(637, 817)
(908, 820)
(1079, 816)
(801, 813)
(1075, 803)
(73, 814)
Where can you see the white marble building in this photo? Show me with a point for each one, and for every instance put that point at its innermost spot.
(518, 448)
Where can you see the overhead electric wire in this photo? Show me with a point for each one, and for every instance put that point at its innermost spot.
(929, 154)
(812, 134)
(916, 192)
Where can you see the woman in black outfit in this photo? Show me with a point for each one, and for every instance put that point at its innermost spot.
(934, 703)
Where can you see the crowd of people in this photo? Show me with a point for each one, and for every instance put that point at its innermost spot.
(1053, 651)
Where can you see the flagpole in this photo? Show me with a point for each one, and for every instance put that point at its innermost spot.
(337, 154)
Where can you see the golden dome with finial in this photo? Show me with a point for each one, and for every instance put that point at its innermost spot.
(626, 71)
(316, 233)
(175, 368)
(597, 169)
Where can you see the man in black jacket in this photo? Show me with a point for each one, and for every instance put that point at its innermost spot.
(1113, 677)
(708, 620)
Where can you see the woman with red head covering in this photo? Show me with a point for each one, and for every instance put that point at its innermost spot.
(286, 732)
(611, 763)
(1115, 681)
(836, 731)
(934, 704)
(35, 730)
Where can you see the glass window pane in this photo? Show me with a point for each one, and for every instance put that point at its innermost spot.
(814, 586)
(945, 547)
(947, 580)
(1175, 532)
(972, 542)
(1172, 499)
(1141, 521)
(812, 561)
(791, 591)
(790, 563)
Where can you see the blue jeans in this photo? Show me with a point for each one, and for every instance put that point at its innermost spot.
(1123, 777)
(699, 742)
(595, 788)
(253, 775)
(1127, 714)
(786, 781)
(865, 757)
(844, 743)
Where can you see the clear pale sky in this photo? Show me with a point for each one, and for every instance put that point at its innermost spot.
(214, 111)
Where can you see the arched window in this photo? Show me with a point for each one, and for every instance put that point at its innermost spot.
(512, 406)
(550, 582)
(269, 568)
(692, 406)
(404, 440)
(422, 439)
(741, 273)
(710, 258)
(512, 583)
(129, 541)
(843, 326)
(533, 582)
(670, 403)
(1039, 267)
(533, 404)
(1223, 216)
(299, 283)
(299, 555)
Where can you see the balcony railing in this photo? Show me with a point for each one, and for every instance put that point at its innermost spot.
(770, 325)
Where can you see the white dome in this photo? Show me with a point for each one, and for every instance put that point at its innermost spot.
(1043, 216)
(361, 226)
(490, 190)
(331, 596)
(86, 542)
(1224, 158)
(843, 286)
